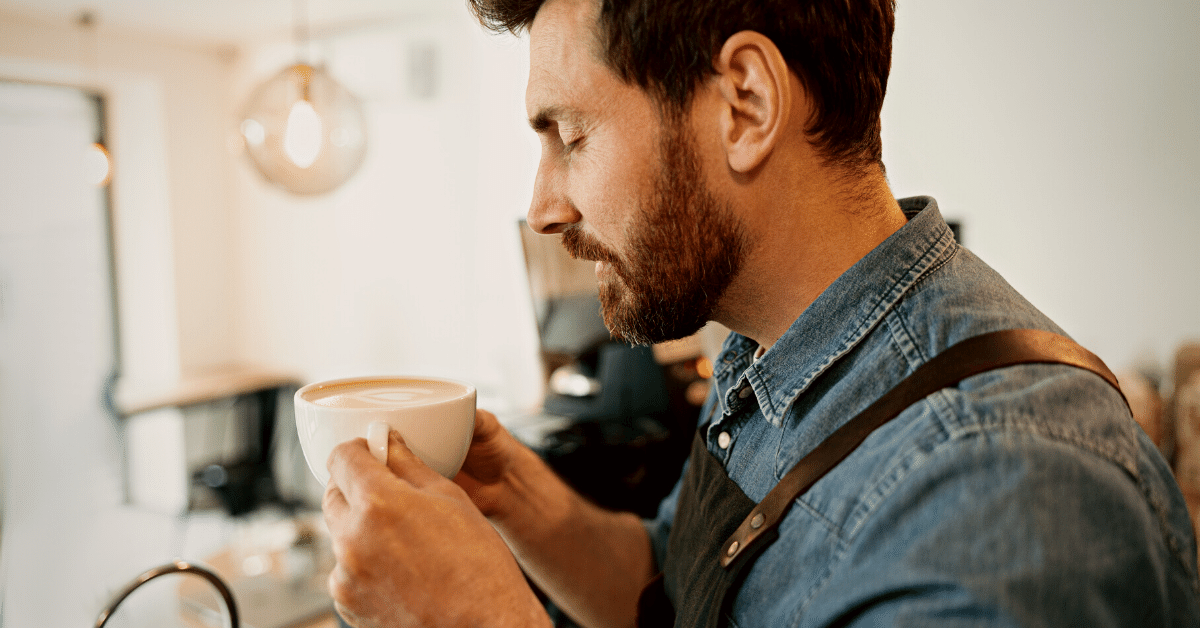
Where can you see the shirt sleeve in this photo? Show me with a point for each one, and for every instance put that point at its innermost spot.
(659, 528)
(1013, 529)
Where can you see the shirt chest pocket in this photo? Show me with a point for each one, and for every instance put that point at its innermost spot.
(789, 572)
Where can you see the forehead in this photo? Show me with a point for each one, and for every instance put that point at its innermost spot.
(565, 73)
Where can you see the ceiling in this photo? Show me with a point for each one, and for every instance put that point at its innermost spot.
(227, 21)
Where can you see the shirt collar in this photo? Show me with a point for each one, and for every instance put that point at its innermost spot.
(840, 317)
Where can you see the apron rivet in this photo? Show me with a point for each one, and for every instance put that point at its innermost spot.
(757, 521)
(733, 548)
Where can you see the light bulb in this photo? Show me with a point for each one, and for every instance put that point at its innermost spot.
(303, 131)
(99, 165)
(302, 136)
(254, 132)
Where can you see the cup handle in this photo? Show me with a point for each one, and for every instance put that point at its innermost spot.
(377, 440)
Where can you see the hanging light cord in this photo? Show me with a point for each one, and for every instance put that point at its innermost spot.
(300, 31)
(178, 566)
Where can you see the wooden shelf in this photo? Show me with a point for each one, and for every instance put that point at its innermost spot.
(200, 389)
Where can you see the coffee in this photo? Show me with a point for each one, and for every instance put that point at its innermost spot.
(384, 393)
(435, 416)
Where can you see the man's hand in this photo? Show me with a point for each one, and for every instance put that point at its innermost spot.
(591, 562)
(412, 550)
(487, 474)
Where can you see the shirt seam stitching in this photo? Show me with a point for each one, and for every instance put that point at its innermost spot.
(936, 254)
(819, 516)
(953, 250)
(894, 476)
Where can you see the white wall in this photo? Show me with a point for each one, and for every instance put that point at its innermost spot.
(1066, 137)
(1065, 143)
(168, 108)
(413, 266)
(1063, 136)
(62, 490)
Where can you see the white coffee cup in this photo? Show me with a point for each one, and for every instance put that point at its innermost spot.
(435, 416)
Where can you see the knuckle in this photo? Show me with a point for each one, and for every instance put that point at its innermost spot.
(374, 512)
(341, 589)
(333, 458)
(352, 557)
(339, 546)
(339, 451)
(451, 491)
(352, 565)
(330, 497)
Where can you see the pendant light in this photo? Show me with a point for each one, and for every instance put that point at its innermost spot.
(97, 160)
(304, 132)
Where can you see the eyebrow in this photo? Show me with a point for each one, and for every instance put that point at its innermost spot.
(548, 116)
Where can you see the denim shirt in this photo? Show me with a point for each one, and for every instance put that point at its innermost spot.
(1026, 496)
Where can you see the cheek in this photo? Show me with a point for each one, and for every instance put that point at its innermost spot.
(610, 186)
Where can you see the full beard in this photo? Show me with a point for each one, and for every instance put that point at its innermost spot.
(685, 249)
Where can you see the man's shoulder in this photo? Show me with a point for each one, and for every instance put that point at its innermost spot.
(963, 297)
(1032, 475)
(1028, 418)
(960, 299)
(1018, 414)
(1004, 519)
(1033, 469)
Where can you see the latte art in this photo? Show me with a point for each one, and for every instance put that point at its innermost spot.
(390, 393)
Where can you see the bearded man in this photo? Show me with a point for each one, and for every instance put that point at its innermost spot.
(894, 436)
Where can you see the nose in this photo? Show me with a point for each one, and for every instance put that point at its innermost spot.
(551, 210)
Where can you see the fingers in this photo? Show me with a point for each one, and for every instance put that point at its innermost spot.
(353, 470)
(341, 590)
(335, 507)
(405, 465)
(487, 426)
(492, 452)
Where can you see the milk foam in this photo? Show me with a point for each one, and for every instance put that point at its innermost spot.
(385, 393)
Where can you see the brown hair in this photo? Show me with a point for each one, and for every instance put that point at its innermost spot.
(840, 50)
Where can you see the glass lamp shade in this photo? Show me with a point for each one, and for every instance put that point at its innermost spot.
(304, 132)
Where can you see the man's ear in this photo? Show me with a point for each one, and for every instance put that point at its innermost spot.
(757, 97)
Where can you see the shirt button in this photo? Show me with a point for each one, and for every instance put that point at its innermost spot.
(723, 440)
(745, 392)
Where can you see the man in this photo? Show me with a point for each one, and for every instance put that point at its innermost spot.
(721, 161)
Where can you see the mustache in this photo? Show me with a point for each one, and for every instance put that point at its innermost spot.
(580, 245)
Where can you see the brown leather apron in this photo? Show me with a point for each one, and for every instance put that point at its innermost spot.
(718, 531)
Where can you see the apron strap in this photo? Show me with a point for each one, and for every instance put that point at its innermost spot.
(969, 357)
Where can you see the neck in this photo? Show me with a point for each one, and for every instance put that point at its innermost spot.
(804, 233)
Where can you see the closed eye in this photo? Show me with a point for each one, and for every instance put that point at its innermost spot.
(572, 136)
(559, 123)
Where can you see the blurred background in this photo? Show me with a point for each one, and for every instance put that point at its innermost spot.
(160, 298)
